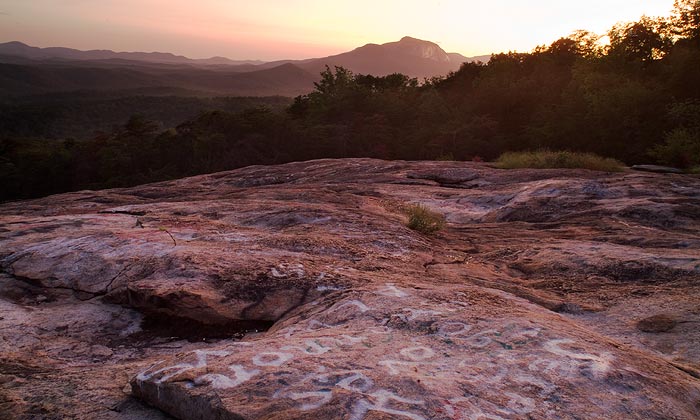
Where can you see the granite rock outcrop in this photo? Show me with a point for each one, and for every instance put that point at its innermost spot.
(296, 291)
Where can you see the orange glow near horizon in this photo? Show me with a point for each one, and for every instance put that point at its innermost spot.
(278, 29)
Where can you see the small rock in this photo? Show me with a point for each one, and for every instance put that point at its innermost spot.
(101, 351)
(657, 324)
(569, 308)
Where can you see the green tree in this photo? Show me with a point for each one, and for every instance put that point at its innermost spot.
(643, 41)
(681, 146)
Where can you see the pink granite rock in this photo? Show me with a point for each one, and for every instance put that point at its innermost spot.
(525, 306)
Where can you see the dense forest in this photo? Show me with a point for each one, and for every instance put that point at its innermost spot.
(81, 115)
(635, 98)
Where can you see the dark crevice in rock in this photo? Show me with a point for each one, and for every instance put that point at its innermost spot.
(175, 327)
(157, 324)
(127, 212)
(686, 369)
(109, 285)
(79, 294)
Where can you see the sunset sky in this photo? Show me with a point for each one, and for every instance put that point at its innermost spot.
(277, 29)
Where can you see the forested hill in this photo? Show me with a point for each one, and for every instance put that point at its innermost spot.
(26, 70)
(636, 99)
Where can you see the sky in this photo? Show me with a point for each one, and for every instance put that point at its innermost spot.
(294, 29)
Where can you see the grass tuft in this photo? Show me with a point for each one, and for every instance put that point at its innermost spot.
(424, 220)
(543, 159)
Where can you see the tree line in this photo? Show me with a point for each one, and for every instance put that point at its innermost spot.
(635, 98)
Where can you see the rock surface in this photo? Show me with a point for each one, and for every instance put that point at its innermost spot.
(657, 168)
(527, 305)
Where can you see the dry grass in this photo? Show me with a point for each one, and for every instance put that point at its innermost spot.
(424, 220)
(543, 159)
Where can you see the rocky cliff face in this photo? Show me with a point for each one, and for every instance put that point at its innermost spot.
(419, 48)
(409, 56)
(550, 294)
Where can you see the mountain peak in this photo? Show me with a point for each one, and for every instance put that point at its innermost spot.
(420, 48)
(15, 44)
(412, 40)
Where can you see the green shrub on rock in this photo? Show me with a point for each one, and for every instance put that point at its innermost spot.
(545, 159)
(424, 220)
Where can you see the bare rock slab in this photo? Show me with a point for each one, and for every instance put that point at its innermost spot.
(297, 291)
(409, 352)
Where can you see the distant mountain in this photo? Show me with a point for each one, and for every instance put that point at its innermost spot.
(478, 58)
(26, 70)
(16, 48)
(410, 56)
(34, 79)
